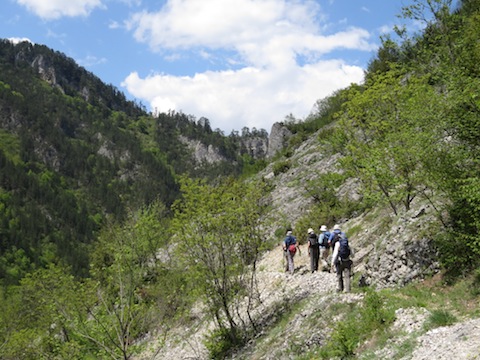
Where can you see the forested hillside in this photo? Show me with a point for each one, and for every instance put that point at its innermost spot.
(75, 152)
(112, 234)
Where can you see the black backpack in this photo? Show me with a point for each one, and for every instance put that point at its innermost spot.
(344, 250)
(336, 237)
(313, 238)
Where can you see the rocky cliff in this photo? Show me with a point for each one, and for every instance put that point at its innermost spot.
(258, 147)
(202, 153)
(278, 139)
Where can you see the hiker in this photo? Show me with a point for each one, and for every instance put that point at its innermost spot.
(290, 248)
(324, 247)
(341, 261)
(331, 238)
(313, 250)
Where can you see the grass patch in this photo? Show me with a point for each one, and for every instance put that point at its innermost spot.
(365, 321)
(354, 231)
(405, 348)
(433, 294)
(439, 318)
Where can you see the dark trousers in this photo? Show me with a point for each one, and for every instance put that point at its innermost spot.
(314, 256)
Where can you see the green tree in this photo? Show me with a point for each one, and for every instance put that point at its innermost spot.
(39, 317)
(220, 239)
(448, 51)
(127, 268)
(391, 131)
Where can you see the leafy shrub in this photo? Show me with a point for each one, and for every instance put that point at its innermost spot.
(296, 140)
(328, 207)
(251, 166)
(476, 283)
(375, 314)
(281, 231)
(359, 325)
(325, 134)
(344, 340)
(220, 343)
(459, 249)
(281, 167)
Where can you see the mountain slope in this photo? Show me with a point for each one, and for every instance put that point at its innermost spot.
(297, 315)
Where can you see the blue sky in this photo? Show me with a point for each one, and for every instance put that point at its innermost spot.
(236, 62)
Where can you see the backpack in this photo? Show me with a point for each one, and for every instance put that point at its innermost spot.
(313, 240)
(326, 236)
(337, 236)
(290, 242)
(344, 250)
(293, 249)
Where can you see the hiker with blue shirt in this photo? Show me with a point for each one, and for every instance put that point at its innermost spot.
(341, 262)
(324, 247)
(290, 248)
(336, 230)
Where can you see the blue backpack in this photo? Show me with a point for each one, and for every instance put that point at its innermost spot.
(326, 237)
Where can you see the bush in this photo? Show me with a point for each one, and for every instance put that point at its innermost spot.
(220, 343)
(359, 325)
(476, 283)
(343, 342)
(439, 318)
(375, 315)
(281, 167)
(459, 249)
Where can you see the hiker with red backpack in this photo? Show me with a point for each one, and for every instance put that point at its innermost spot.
(341, 261)
(290, 248)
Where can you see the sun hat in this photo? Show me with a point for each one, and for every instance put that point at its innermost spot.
(323, 228)
(336, 227)
(310, 230)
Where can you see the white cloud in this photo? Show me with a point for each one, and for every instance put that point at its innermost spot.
(250, 27)
(247, 97)
(114, 25)
(267, 38)
(54, 9)
(17, 40)
(282, 56)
